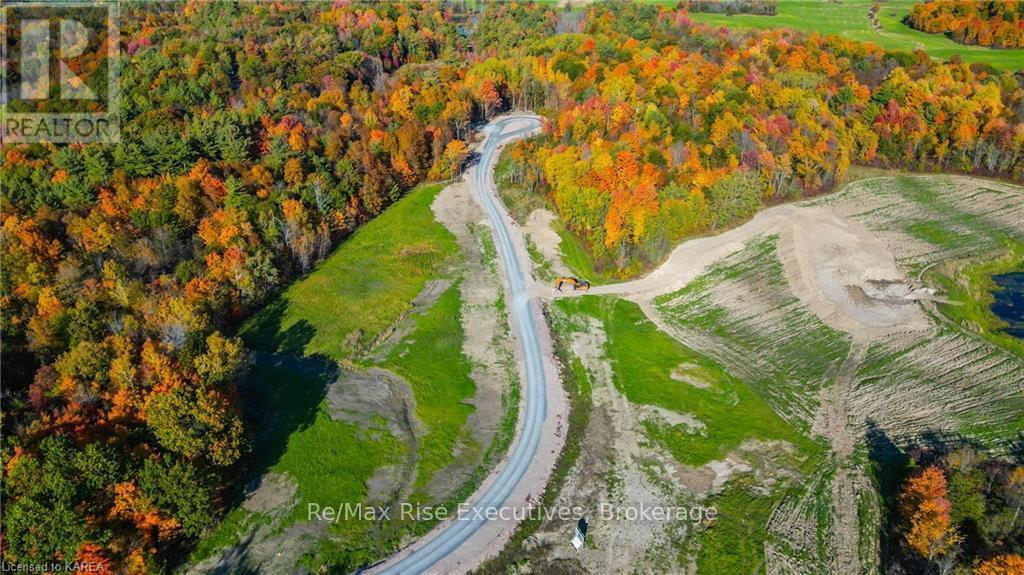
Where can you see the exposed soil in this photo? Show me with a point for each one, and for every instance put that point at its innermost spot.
(618, 466)
(833, 417)
(672, 419)
(486, 341)
(360, 398)
(266, 550)
(379, 350)
(683, 374)
(824, 256)
(846, 276)
(272, 494)
(849, 259)
(538, 229)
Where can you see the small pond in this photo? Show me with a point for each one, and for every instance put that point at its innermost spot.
(1009, 304)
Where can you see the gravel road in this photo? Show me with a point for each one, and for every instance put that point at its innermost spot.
(472, 535)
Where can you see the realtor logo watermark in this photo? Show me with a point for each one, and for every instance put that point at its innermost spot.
(60, 72)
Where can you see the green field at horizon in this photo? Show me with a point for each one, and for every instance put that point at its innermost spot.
(849, 18)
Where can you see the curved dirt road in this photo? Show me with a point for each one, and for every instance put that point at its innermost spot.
(472, 535)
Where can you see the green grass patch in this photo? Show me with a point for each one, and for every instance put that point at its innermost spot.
(786, 360)
(360, 289)
(735, 542)
(934, 233)
(944, 222)
(431, 360)
(849, 19)
(329, 460)
(643, 359)
(578, 258)
(335, 314)
(541, 265)
(969, 286)
(228, 532)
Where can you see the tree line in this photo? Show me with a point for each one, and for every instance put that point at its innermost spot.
(993, 23)
(662, 127)
(256, 136)
(756, 7)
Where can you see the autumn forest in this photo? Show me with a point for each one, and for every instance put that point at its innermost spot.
(257, 136)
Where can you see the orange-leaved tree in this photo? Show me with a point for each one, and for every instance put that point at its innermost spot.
(925, 507)
(1001, 565)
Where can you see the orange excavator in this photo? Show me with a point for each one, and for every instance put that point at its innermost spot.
(577, 284)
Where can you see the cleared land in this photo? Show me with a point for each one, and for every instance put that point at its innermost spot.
(358, 292)
(850, 19)
(907, 384)
(366, 389)
(729, 449)
(944, 383)
(818, 322)
(742, 307)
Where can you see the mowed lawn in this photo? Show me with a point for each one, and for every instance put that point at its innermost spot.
(360, 289)
(849, 18)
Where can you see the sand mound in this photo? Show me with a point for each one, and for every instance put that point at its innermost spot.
(846, 276)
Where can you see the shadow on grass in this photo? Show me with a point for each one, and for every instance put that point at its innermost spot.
(281, 394)
(235, 560)
(263, 332)
(283, 388)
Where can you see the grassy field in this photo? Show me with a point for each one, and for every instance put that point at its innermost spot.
(849, 18)
(360, 289)
(643, 360)
(742, 314)
(441, 388)
(332, 316)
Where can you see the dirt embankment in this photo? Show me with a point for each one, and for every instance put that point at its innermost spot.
(485, 328)
(837, 268)
(848, 258)
(616, 467)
